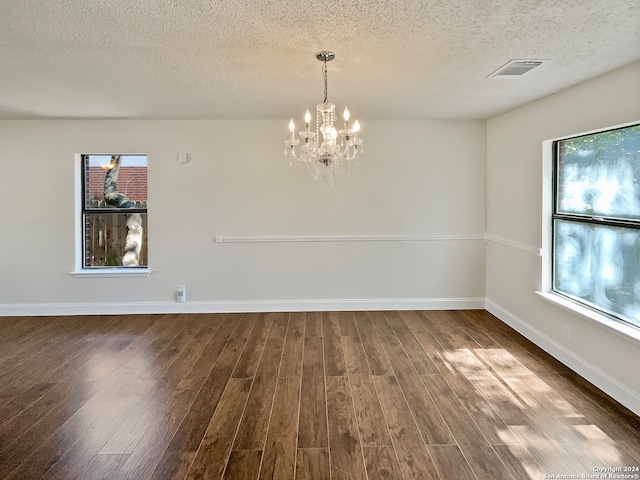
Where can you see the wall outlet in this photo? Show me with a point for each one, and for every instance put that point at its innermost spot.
(181, 294)
(566, 332)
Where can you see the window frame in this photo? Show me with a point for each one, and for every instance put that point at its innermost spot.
(551, 169)
(81, 209)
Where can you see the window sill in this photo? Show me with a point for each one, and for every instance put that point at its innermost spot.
(111, 273)
(619, 328)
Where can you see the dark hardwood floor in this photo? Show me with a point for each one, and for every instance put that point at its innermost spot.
(308, 396)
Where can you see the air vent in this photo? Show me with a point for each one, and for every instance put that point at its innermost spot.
(515, 68)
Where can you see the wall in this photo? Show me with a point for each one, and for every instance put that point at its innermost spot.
(420, 184)
(514, 228)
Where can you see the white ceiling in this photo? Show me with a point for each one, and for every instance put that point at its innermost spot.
(256, 58)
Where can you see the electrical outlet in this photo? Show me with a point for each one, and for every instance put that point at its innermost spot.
(181, 294)
(566, 332)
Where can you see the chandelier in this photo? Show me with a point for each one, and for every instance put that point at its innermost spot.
(326, 151)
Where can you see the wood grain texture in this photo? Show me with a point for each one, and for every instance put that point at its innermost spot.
(415, 462)
(450, 462)
(547, 452)
(332, 342)
(373, 431)
(279, 324)
(418, 356)
(447, 332)
(354, 356)
(313, 464)
(191, 430)
(453, 366)
(381, 463)
(152, 447)
(253, 427)
(18, 455)
(103, 467)
(432, 426)
(90, 427)
(243, 465)
(313, 324)
(293, 347)
(376, 357)
(280, 446)
(306, 395)
(347, 324)
(346, 453)
(248, 362)
(519, 462)
(479, 454)
(381, 324)
(211, 458)
(312, 430)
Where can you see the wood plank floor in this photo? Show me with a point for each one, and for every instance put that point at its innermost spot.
(308, 396)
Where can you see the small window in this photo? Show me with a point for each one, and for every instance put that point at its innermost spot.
(114, 211)
(596, 221)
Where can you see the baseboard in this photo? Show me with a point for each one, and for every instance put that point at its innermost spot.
(322, 305)
(591, 373)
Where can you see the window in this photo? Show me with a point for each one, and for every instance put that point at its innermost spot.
(114, 212)
(596, 221)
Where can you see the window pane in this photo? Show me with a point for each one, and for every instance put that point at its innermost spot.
(599, 174)
(600, 265)
(132, 179)
(106, 236)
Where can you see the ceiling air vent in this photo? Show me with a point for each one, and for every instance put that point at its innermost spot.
(515, 68)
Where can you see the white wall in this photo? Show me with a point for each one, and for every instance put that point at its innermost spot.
(423, 179)
(514, 222)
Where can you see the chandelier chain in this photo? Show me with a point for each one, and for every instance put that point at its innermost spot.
(324, 73)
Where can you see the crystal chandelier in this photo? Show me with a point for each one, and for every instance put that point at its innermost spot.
(326, 151)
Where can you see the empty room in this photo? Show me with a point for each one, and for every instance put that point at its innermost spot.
(320, 240)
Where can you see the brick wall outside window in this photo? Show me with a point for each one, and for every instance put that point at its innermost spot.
(132, 182)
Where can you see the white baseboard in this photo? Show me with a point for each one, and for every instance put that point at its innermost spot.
(112, 308)
(591, 373)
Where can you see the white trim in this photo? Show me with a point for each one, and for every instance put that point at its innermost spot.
(342, 238)
(547, 211)
(77, 212)
(241, 306)
(122, 272)
(513, 244)
(616, 326)
(591, 373)
(597, 130)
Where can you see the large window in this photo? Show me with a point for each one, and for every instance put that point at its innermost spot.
(596, 221)
(114, 211)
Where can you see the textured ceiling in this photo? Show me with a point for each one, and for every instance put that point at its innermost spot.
(256, 58)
